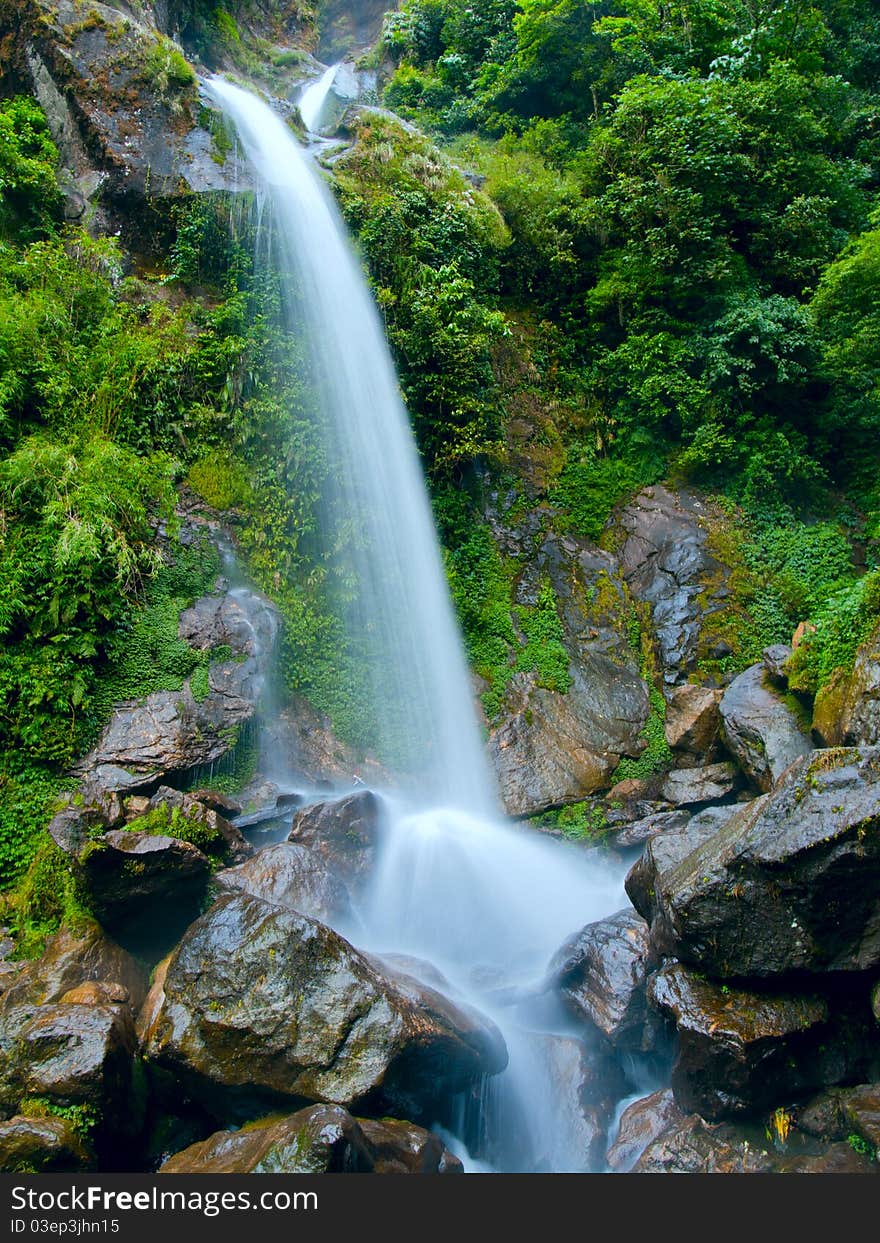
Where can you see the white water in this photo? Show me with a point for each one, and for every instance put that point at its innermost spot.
(312, 99)
(487, 902)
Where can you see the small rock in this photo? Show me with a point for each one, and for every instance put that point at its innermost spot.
(774, 658)
(643, 830)
(692, 718)
(640, 1124)
(687, 786)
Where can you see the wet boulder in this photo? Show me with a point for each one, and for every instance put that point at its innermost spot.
(342, 834)
(261, 1005)
(47, 1145)
(641, 831)
(72, 1053)
(640, 1124)
(322, 1139)
(553, 748)
(790, 884)
(764, 731)
(664, 852)
(73, 958)
(693, 1146)
(847, 709)
(692, 718)
(709, 784)
(128, 875)
(740, 1050)
(173, 732)
(585, 1082)
(292, 876)
(600, 974)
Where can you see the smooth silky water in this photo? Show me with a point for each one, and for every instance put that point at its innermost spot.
(483, 900)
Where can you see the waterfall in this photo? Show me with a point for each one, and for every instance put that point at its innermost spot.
(312, 99)
(485, 901)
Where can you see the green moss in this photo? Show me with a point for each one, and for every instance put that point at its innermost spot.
(544, 650)
(48, 896)
(584, 821)
(83, 1118)
(164, 821)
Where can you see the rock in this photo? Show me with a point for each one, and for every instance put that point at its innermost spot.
(73, 1054)
(42, 1145)
(262, 1005)
(323, 1139)
(600, 974)
(128, 875)
(662, 854)
(555, 748)
(666, 563)
(585, 1084)
(692, 1146)
(774, 658)
(861, 1110)
(760, 729)
(837, 1113)
(847, 708)
(342, 834)
(875, 1001)
(73, 826)
(73, 958)
(692, 718)
(197, 809)
(215, 801)
(790, 883)
(126, 129)
(402, 1148)
(740, 1050)
(96, 993)
(640, 1124)
(291, 876)
(687, 786)
(173, 732)
(836, 1159)
(641, 831)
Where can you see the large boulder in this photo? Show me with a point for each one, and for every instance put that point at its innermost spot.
(343, 835)
(640, 831)
(600, 974)
(692, 1146)
(49, 1145)
(73, 1053)
(129, 875)
(847, 709)
(763, 730)
(173, 732)
(292, 876)
(790, 884)
(740, 1050)
(663, 853)
(555, 748)
(260, 1006)
(322, 1139)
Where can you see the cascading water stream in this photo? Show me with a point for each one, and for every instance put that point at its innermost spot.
(487, 902)
(312, 99)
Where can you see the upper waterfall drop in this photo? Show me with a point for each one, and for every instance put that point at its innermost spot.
(311, 102)
(379, 518)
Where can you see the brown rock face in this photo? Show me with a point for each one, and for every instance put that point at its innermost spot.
(640, 1124)
(692, 719)
(43, 1145)
(688, 786)
(262, 1005)
(323, 1139)
(72, 959)
(740, 1051)
(292, 876)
